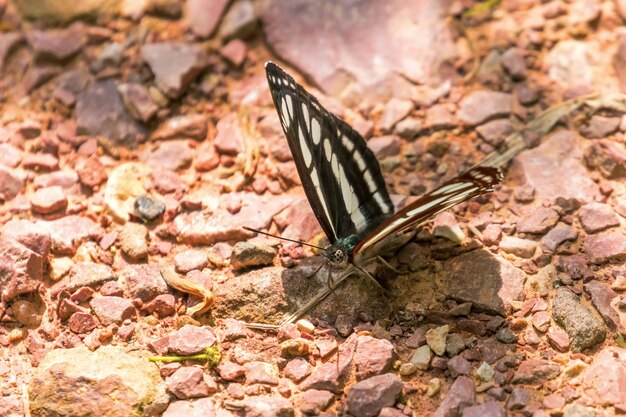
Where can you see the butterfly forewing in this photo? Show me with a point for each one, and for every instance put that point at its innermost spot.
(340, 175)
(471, 183)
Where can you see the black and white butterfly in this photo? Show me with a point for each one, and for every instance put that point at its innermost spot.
(344, 184)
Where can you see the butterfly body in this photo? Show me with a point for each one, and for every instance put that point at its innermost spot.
(343, 182)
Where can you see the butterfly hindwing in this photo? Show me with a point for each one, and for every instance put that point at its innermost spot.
(473, 182)
(340, 175)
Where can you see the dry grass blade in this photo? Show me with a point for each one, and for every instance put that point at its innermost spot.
(187, 286)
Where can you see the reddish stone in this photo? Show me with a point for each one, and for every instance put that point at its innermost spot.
(260, 373)
(112, 310)
(204, 15)
(21, 269)
(373, 356)
(189, 126)
(229, 138)
(144, 281)
(538, 221)
(596, 217)
(234, 52)
(297, 369)
(163, 305)
(59, 44)
(11, 183)
(91, 172)
(43, 161)
(605, 247)
(229, 371)
(82, 323)
(48, 200)
(368, 397)
(190, 339)
(188, 382)
(461, 394)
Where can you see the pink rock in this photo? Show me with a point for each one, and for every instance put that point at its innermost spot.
(189, 126)
(188, 382)
(538, 221)
(144, 281)
(385, 146)
(495, 131)
(297, 369)
(554, 238)
(48, 200)
(185, 408)
(66, 179)
(260, 373)
(307, 225)
(43, 161)
(542, 168)
(329, 59)
(314, 401)
(67, 308)
(21, 269)
(608, 157)
(513, 62)
(535, 371)
(233, 329)
(175, 65)
(10, 156)
(541, 321)
(368, 397)
(486, 409)
(229, 138)
(601, 297)
(229, 371)
(68, 232)
(558, 339)
(204, 15)
(492, 234)
(267, 406)
(600, 126)
(373, 356)
(82, 323)
(59, 44)
(596, 217)
(605, 379)
(234, 52)
(440, 116)
(137, 101)
(8, 42)
(190, 339)
(605, 247)
(163, 305)
(29, 235)
(84, 274)
(91, 172)
(112, 310)
(458, 365)
(480, 106)
(395, 110)
(171, 155)
(191, 259)
(324, 377)
(11, 183)
(488, 280)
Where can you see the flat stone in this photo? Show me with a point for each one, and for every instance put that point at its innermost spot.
(421, 357)
(366, 398)
(57, 44)
(256, 212)
(558, 339)
(601, 298)
(11, 183)
(40, 161)
(190, 339)
(84, 274)
(261, 373)
(524, 248)
(542, 168)
(267, 406)
(229, 137)
(100, 111)
(137, 101)
(495, 131)
(133, 241)
(188, 382)
(112, 310)
(48, 200)
(373, 357)
(385, 146)
(10, 156)
(559, 234)
(461, 394)
(246, 255)
(395, 110)
(600, 127)
(440, 116)
(67, 233)
(535, 371)
(171, 156)
(204, 16)
(143, 281)
(188, 126)
(608, 157)
(604, 247)
(458, 365)
(538, 221)
(583, 326)
(484, 279)
(330, 61)
(446, 226)
(605, 380)
(596, 217)
(297, 369)
(21, 269)
(568, 63)
(240, 21)
(175, 65)
(234, 52)
(314, 401)
(91, 172)
(480, 106)
(191, 259)
(513, 62)
(8, 42)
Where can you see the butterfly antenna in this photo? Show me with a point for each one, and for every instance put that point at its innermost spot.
(250, 229)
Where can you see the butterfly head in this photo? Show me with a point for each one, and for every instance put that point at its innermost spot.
(337, 254)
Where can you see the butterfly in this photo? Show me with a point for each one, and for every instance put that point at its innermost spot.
(345, 187)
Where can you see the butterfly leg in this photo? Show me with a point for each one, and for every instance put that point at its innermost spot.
(388, 265)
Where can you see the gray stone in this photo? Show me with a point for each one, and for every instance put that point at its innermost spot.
(583, 326)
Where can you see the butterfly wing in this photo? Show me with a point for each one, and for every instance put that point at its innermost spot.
(473, 182)
(339, 173)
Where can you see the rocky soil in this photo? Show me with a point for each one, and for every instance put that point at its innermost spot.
(137, 136)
